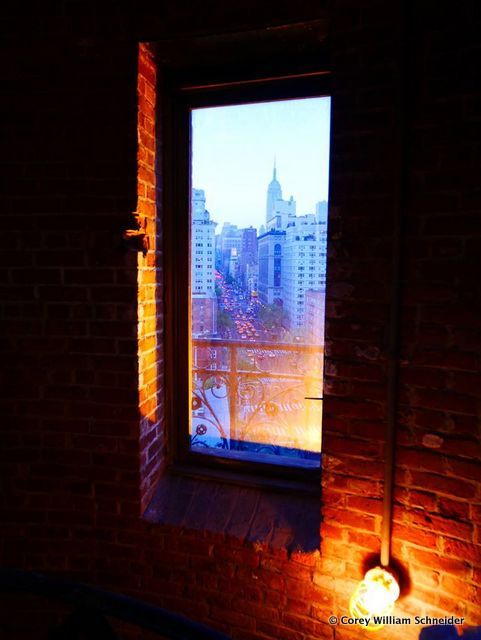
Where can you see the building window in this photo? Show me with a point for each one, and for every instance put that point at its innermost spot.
(248, 362)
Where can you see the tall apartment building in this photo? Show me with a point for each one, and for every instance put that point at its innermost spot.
(234, 265)
(229, 238)
(321, 212)
(252, 279)
(248, 255)
(303, 267)
(292, 258)
(270, 246)
(314, 311)
(204, 301)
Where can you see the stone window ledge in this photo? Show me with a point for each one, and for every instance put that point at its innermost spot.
(277, 517)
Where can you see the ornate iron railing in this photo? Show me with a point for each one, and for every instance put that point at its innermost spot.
(92, 606)
(257, 396)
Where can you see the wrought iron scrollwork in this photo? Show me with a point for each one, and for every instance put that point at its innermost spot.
(253, 397)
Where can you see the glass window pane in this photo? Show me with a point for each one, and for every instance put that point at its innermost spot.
(257, 325)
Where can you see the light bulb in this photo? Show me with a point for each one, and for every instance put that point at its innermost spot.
(374, 597)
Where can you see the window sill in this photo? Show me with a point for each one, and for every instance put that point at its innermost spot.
(276, 513)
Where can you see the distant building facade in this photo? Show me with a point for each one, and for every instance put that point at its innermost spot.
(204, 301)
(270, 246)
(252, 279)
(292, 261)
(229, 238)
(248, 256)
(303, 267)
(315, 303)
(234, 264)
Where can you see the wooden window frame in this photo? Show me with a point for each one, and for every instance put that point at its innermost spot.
(180, 93)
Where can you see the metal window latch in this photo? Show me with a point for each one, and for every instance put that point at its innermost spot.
(137, 239)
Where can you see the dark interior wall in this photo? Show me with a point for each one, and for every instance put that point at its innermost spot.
(441, 346)
(404, 88)
(405, 128)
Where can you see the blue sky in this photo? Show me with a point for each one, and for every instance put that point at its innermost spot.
(233, 150)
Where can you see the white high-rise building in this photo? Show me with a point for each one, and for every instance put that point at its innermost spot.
(204, 301)
(292, 258)
(203, 246)
(321, 212)
(303, 266)
(314, 312)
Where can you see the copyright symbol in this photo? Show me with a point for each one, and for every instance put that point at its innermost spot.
(332, 619)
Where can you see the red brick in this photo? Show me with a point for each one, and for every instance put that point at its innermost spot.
(354, 409)
(362, 448)
(415, 536)
(446, 401)
(467, 469)
(464, 550)
(444, 484)
(452, 359)
(364, 540)
(416, 499)
(454, 566)
(352, 519)
(447, 526)
(453, 508)
(366, 505)
(279, 632)
(232, 618)
(416, 459)
(425, 378)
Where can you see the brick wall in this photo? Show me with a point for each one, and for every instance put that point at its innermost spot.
(70, 426)
(364, 205)
(80, 460)
(149, 283)
(439, 491)
(401, 146)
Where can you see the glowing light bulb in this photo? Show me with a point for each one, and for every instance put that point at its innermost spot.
(374, 597)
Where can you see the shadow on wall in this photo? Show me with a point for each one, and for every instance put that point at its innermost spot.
(402, 575)
(278, 520)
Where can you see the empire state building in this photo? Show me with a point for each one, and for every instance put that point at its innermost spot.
(279, 212)
(274, 193)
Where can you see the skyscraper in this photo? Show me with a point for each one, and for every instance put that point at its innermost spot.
(278, 211)
(274, 193)
(204, 301)
(248, 254)
(230, 238)
(303, 267)
(292, 257)
(270, 266)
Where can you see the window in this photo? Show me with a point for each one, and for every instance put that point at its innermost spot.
(247, 370)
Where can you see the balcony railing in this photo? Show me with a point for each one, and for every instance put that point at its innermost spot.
(257, 396)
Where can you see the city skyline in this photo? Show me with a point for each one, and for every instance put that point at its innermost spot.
(257, 305)
(279, 266)
(234, 149)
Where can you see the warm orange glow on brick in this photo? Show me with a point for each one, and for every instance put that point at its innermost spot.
(149, 345)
